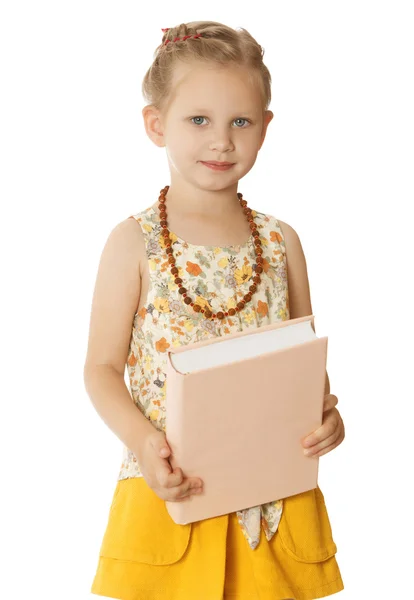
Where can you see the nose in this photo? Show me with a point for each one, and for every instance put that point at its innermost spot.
(221, 141)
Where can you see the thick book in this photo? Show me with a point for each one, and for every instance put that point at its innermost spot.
(237, 408)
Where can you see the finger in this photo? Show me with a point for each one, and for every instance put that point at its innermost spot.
(186, 489)
(174, 479)
(330, 401)
(328, 427)
(325, 450)
(329, 441)
(164, 452)
(164, 472)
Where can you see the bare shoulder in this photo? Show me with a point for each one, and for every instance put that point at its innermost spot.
(297, 274)
(127, 236)
(116, 296)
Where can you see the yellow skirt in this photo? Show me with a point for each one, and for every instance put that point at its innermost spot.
(146, 556)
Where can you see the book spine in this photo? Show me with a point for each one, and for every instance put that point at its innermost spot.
(175, 383)
(324, 345)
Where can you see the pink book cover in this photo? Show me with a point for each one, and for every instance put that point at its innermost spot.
(238, 426)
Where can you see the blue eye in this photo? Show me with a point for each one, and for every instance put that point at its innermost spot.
(197, 118)
(239, 119)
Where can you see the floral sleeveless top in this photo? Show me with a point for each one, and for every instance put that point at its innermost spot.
(215, 277)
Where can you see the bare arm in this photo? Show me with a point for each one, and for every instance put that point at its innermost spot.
(299, 293)
(332, 431)
(115, 300)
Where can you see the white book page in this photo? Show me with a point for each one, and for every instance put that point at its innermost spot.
(254, 344)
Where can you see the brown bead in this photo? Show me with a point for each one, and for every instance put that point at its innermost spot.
(187, 300)
(165, 233)
(248, 297)
(174, 270)
(241, 304)
(232, 312)
(207, 313)
(220, 315)
(257, 279)
(182, 290)
(197, 308)
(259, 269)
(259, 259)
(178, 280)
(253, 288)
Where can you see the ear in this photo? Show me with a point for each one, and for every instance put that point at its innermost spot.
(268, 116)
(153, 125)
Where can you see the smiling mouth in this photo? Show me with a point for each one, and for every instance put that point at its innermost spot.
(218, 166)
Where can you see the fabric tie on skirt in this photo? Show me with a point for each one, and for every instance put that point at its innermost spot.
(265, 515)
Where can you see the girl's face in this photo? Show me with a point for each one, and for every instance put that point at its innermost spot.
(213, 114)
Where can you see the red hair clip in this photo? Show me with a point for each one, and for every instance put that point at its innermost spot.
(177, 39)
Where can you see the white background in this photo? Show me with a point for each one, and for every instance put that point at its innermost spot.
(337, 165)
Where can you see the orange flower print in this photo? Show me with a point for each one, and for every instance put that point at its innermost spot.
(193, 268)
(132, 359)
(265, 265)
(161, 345)
(142, 312)
(275, 236)
(262, 308)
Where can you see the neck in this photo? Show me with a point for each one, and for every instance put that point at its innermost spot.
(186, 199)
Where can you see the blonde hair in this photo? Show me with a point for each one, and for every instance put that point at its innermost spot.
(217, 44)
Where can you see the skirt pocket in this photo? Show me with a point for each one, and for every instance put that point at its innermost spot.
(140, 528)
(304, 527)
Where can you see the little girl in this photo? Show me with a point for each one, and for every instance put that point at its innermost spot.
(195, 264)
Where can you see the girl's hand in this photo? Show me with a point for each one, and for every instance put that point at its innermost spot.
(167, 483)
(330, 434)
